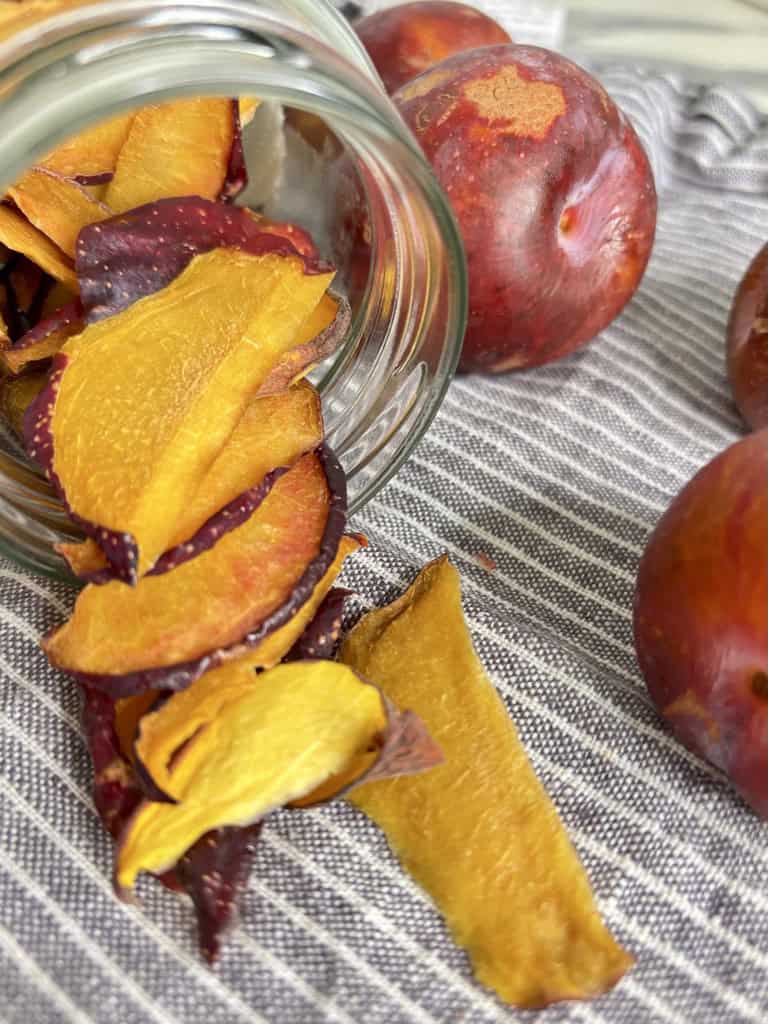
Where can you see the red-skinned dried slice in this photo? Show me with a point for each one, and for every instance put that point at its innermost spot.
(253, 757)
(178, 148)
(150, 399)
(159, 635)
(57, 206)
(322, 636)
(20, 236)
(128, 257)
(273, 431)
(45, 339)
(236, 178)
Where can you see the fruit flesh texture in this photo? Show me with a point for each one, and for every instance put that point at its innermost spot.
(748, 343)
(155, 423)
(57, 206)
(276, 740)
(164, 620)
(272, 432)
(20, 236)
(149, 166)
(93, 153)
(408, 39)
(479, 832)
(553, 193)
(701, 616)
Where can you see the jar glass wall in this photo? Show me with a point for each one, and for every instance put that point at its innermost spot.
(374, 205)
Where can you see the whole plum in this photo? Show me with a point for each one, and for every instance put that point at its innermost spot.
(405, 40)
(701, 616)
(553, 193)
(748, 343)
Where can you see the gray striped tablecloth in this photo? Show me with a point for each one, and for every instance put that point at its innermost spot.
(557, 476)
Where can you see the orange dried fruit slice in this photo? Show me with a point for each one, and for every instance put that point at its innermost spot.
(90, 157)
(57, 206)
(140, 404)
(19, 235)
(17, 394)
(180, 148)
(45, 339)
(279, 737)
(274, 431)
(479, 833)
(169, 629)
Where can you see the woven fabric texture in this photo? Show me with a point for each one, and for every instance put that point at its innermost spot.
(558, 476)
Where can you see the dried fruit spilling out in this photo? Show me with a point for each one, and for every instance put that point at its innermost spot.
(156, 342)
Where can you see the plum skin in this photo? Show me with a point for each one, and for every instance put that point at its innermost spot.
(701, 616)
(747, 343)
(405, 40)
(553, 193)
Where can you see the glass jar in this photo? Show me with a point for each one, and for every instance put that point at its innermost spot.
(409, 305)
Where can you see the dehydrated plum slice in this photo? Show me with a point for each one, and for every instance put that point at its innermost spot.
(273, 431)
(19, 235)
(479, 833)
(57, 206)
(279, 737)
(178, 148)
(128, 257)
(322, 636)
(161, 635)
(139, 405)
(90, 157)
(45, 339)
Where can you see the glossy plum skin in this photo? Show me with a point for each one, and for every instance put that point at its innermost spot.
(701, 616)
(748, 343)
(406, 40)
(553, 193)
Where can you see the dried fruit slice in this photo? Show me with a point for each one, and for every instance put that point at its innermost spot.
(162, 635)
(19, 235)
(279, 737)
(479, 833)
(139, 405)
(272, 432)
(57, 206)
(322, 636)
(236, 178)
(215, 869)
(126, 258)
(17, 394)
(318, 339)
(90, 157)
(180, 148)
(45, 339)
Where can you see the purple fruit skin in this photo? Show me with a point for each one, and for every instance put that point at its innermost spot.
(215, 873)
(322, 636)
(237, 172)
(143, 250)
(94, 179)
(119, 548)
(183, 674)
(69, 316)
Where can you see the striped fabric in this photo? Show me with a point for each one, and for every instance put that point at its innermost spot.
(557, 476)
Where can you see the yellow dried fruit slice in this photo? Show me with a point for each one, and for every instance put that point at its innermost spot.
(91, 155)
(479, 833)
(144, 401)
(273, 431)
(180, 148)
(18, 234)
(281, 737)
(57, 206)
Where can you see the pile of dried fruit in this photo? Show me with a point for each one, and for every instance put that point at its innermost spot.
(156, 344)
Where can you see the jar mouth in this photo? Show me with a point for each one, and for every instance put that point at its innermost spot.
(385, 386)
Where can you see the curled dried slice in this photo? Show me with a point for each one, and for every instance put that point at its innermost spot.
(280, 737)
(179, 148)
(322, 636)
(319, 337)
(215, 869)
(45, 339)
(236, 178)
(161, 634)
(90, 157)
(272, 432)
(479, 833)
(17, 394)
(139, 405)
(19, 235)
(128, 257)
(188, 710)
(57, 206)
